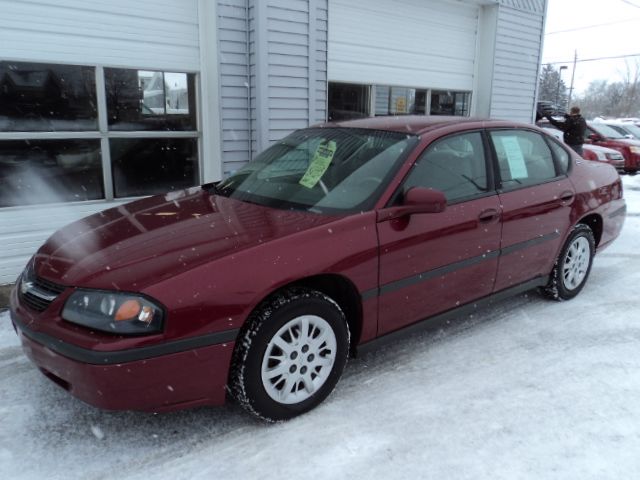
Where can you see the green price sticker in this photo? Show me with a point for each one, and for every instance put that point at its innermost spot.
(321, 161)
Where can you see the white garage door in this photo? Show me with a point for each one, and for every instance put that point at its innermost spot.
(418, 43)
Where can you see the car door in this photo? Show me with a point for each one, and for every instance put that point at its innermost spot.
(536, 197)
(433, 262)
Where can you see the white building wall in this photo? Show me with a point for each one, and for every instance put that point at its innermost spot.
(233, 38)
(517, 56)
(288, 67)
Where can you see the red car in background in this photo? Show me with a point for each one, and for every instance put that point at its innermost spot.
(590, 151)
(603, 135)
(332, 241)
(604, 154)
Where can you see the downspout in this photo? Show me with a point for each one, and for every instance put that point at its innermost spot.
(248, 82)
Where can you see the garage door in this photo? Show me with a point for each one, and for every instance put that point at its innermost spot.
(418, 43)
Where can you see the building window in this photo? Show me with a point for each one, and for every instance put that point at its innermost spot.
(43, 171)
(36, 97)
(146, 100)
(62, 139)
(348, 101)
(147, 166)
(450, 103)
(415, 101)
(400, 100)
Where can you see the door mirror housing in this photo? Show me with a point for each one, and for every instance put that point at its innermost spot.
(416, 200)
(594, 137)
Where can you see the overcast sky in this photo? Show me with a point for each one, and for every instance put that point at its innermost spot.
(596, 29)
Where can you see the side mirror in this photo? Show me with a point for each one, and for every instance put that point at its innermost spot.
(416, 200)
(594, 137)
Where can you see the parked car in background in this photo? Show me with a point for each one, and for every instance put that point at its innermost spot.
(603, 135)
(592, 152)
(604, 154)
(628, 129)
(332, 241)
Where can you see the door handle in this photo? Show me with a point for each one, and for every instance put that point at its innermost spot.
(566, 197)
(489, 215)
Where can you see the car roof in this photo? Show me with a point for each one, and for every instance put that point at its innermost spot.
(418, 124)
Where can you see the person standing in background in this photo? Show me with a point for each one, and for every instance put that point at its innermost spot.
(574, 127)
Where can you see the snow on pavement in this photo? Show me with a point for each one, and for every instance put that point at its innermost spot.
(526, 389)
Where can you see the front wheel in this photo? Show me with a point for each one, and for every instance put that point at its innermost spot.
(290, 354)
(573, 265)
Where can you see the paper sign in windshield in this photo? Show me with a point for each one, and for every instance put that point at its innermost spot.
(512, 150)
(319, 164)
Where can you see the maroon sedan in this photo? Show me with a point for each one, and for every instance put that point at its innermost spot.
(334, 239)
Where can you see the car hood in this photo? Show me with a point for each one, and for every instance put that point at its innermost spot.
(140, 243)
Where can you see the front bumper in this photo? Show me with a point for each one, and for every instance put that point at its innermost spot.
(131, 379)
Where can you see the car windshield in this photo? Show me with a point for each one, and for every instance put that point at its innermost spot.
(323, 170)
(607, 131)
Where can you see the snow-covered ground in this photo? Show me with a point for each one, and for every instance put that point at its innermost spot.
(528, 389)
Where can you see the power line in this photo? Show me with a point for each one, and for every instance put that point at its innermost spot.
(595, 59)
(586, 27)
(629, 3)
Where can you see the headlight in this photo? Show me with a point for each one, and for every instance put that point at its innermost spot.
(122, 313)
(635, 150)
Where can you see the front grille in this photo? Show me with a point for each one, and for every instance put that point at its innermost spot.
(39, 293)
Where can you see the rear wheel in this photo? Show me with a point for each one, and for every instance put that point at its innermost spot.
(290, 354)
(573, 265)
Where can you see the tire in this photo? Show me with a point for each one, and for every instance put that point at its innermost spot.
(278, 371)
(573, 265)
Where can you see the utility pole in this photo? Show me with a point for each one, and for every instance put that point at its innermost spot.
(573, 74)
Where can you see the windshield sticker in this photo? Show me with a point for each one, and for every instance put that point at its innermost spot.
(319, 164)
(512, 150)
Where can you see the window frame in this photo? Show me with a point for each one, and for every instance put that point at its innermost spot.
(374, 88)
(104, 134)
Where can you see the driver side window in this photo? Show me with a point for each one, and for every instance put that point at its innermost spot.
(455, 165)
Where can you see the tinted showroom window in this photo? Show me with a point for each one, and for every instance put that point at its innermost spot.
(150, 100)
(45, 97)
(147, 166)
(47, 171)
(62, 138)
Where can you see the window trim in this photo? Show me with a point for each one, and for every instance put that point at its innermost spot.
(104, 134)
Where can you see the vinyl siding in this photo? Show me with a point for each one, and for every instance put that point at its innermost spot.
(518, 48)
(273, 76)
(234, 83)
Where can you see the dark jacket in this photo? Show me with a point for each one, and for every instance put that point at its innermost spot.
(573, 126)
